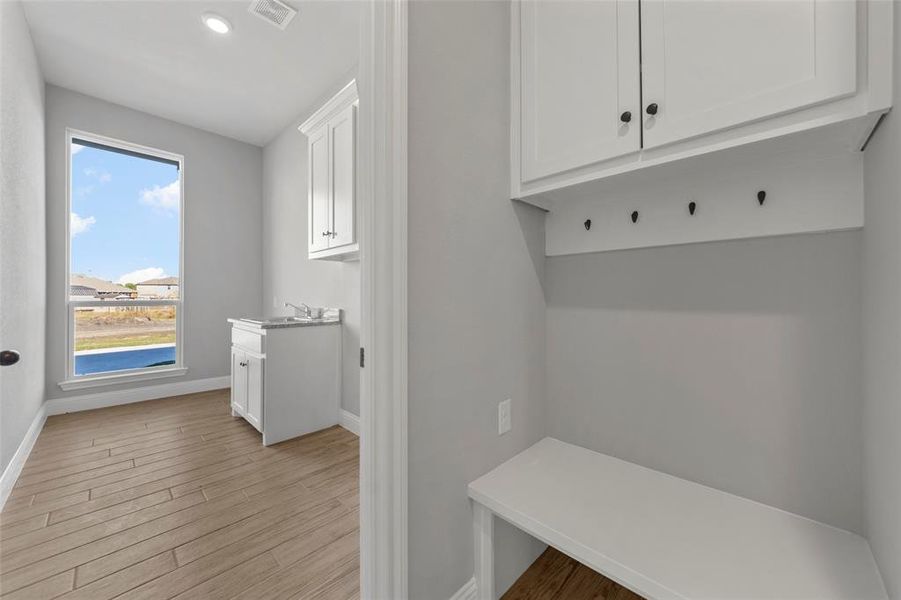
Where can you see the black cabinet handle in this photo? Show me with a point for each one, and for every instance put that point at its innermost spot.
(8, 358)
(652, 108)
(625, 117)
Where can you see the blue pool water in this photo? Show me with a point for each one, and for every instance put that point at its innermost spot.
(119, 360)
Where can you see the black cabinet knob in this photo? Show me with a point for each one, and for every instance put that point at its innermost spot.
(625, 117)
(652, 108)
(8, 357)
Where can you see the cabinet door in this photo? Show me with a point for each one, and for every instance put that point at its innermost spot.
(239, 381)
(579, 72)
(342, 146)
(709, 65)
(319, 203)
(254, 370)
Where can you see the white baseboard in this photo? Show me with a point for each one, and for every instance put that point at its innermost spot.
(349, 421)
(467, 592)
(58, 406)
(12, 470)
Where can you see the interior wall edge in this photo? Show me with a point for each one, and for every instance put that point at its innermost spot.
(22, 230)
(882, 338)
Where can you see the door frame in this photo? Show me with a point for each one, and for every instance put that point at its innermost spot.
(383, 332)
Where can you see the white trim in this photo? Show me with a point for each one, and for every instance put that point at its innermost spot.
(117, 377)
(58, 406)
(349, 421)
(69, 304)
(483, 546)
(467, 592)
(346, 97)
(14, 468)
(383, 387)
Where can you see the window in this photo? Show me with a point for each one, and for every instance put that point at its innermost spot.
(124, 278)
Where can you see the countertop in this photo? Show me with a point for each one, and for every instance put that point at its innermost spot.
(330, 317)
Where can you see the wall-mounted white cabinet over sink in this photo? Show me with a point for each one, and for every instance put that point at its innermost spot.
(331, 177)
(602, 88)
(286, 374)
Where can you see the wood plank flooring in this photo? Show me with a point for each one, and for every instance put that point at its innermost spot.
(555, 576)
(175, 498)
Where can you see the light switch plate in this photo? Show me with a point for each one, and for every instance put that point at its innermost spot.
(504, 418)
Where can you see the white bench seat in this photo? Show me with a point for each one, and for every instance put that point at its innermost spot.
(665, 537)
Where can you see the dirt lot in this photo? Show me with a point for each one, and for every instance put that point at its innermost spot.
(117, 328)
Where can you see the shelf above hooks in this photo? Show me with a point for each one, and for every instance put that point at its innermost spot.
(816, 194)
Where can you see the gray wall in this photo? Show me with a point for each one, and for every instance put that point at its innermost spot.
(882, 338)
(22, 247)
(223, 183)
(288, 275)
(476, 307)
(733, 364)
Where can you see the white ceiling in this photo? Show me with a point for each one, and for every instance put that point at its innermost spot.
(159, 58)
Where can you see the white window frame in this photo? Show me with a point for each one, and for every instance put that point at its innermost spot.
(72, 380)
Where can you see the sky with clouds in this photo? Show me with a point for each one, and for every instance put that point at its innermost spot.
(124, 222)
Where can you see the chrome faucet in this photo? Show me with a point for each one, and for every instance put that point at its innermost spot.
(300, 311)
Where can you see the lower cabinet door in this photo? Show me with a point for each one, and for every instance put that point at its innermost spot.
(254, 371)
(239, 381)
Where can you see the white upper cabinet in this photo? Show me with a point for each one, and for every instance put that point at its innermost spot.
(319, 209)
(342, 143)
(331, 177)
(599, 88)
(708, 65)
(580, 84)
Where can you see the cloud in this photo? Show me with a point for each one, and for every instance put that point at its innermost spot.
(76, 149)
(142, 275)
(164, 199)
(79, 224)
(101, 176)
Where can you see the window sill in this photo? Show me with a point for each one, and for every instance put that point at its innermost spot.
(105, 380)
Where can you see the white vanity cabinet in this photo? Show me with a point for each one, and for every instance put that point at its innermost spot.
(286, 377)
(601, 88)
(247, 386)
(331, 177)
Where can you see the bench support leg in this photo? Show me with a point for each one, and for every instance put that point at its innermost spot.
(483, 533)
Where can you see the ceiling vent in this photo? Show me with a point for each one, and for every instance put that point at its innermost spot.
(272, 11)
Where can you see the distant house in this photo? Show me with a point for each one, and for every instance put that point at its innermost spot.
(160, 288)
(82, 287)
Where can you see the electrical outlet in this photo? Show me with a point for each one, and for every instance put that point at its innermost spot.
(504, 418)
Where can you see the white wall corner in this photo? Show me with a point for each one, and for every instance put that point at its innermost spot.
(349, 421)
(467, 592)
(58, 406)
(14, 468)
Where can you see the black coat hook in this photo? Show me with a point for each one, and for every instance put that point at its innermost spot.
(587, 224)
(761, 197)
(635, 216)
(691, 208)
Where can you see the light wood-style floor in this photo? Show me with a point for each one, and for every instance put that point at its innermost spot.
(555, 576)
(175, 498)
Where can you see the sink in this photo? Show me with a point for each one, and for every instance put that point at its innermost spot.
(276, 320)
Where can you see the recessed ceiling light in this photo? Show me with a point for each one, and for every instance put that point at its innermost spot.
(216, 23)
